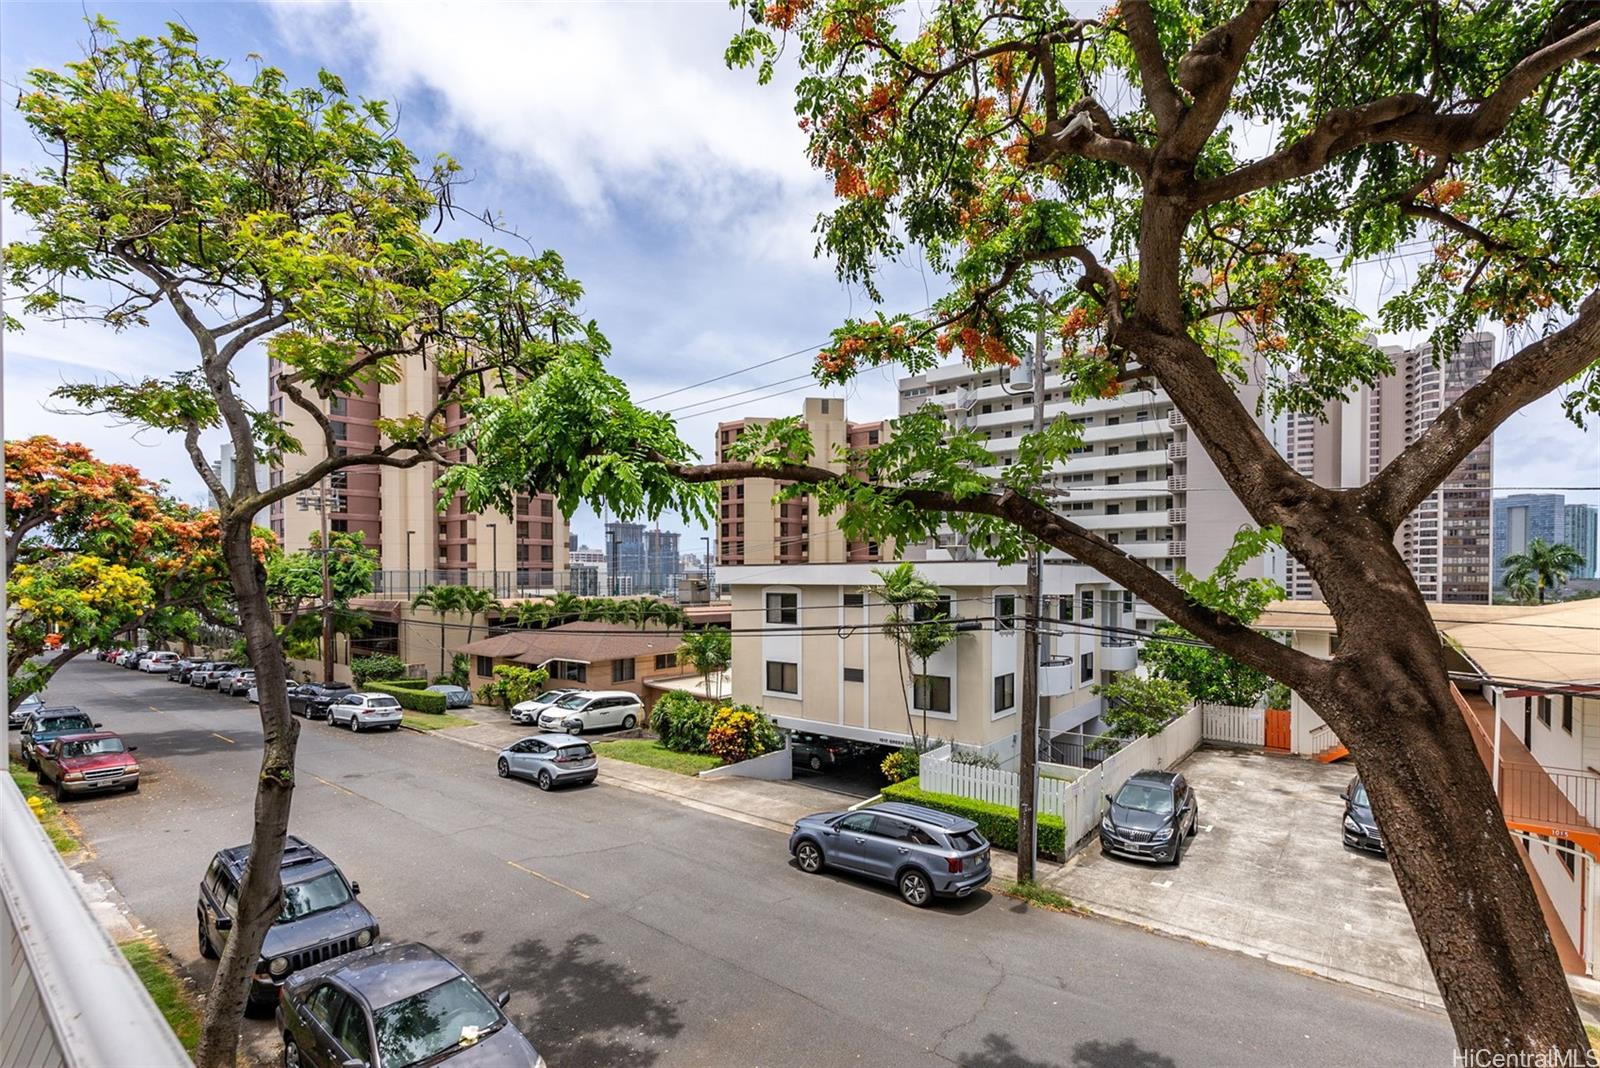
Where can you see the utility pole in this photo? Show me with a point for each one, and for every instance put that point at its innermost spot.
(708, 572)
(1028, 728)
(323, 504)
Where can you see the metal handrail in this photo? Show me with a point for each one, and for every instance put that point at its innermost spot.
(94, 1006)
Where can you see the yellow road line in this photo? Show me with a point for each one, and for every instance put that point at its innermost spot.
(335, 785)
(224, 737)
(549, 880)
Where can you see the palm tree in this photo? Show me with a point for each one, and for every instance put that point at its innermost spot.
(1542, 566)
(566, 606)
(708, 652)
(615, 611)
(915, 623)
(473, 602)
(442, 600)
(594, 609)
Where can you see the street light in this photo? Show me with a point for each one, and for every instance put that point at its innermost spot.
(494, 555)
(409, 534)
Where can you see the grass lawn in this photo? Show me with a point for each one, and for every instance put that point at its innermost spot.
(174, 999)
(433, 721)
(652, 754)
(1038, 896)
(63, 835)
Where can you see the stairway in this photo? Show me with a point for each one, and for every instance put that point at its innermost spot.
(1331, 754)
(1326, 745)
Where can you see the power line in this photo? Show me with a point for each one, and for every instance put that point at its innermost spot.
(680, 413)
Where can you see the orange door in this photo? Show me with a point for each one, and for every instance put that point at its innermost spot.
(1278, 734)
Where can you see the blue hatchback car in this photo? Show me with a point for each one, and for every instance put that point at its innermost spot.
(923, 852)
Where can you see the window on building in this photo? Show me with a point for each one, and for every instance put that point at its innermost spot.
(547, 553)
(1005, 692)
(486, 666)
(783, 677)
(622, 670)
(666, 660)
(338, 430)
(783, 608)
(1005, 611)
(1088, 606)
(547, 531)
(546, 506)
(1064, 609)
(569, 671)
(855, 674)
(338, 405)
(1568, 858)
(931, 693)
(1086, 668)
(854, 600)
(1566, 712)
(1544, 711)
(939, 609)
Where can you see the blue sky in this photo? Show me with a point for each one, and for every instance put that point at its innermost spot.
(677, 191)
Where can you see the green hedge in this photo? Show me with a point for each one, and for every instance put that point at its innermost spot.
(410, 698)
(998, 823)
(409, 684)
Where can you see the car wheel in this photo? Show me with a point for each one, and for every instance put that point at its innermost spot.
(503, 768)
(816, 763)
(808, 857)
(575, 731)
(914, 888)
(355, 725)
(207, 950)
(545, 780)
(60, 793)
(291, 1053)
(628, 721)
(1194, 825)
(1177, 852)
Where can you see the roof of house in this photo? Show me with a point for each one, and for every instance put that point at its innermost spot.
(583, 643)
(1536, 643)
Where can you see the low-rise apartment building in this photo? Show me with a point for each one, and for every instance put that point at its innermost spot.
(583, 656)
(810, 648)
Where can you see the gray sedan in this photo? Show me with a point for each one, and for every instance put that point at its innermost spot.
(454, 696)
(549, 760)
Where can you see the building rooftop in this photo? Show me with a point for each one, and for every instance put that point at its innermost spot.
(582, 643)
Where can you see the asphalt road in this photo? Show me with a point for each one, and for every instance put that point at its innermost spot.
(634, 931)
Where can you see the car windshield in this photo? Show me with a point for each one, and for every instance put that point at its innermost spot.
(1145, 797)
(382, 702)
(1360, 796)
(93, 747)
(572, 700)
(433, 1022)
(65, 723)
(317, 894)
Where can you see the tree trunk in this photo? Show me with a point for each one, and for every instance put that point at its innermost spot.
(1390, 701)
(260, 893)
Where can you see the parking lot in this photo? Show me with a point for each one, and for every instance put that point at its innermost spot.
(1268, 874)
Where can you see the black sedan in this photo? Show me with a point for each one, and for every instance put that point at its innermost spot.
(312, 699)
(1150, 817)
(397, 1004)
(1360, 826)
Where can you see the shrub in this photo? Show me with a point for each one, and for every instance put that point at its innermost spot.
(376, 668)
(411, 699)
(681, 720)
(459, 674)
(512, 685)
(1136, 707)
(997, 822)
(972, 758)
(900, 765)
(408, 683)
(741, 732)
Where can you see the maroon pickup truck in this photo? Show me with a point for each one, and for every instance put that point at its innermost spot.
(88, 762)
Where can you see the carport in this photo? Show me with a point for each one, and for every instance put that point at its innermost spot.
(857, 776)
(1268, 875)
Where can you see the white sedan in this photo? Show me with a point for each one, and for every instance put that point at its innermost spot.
(361, 711)
(527, 712)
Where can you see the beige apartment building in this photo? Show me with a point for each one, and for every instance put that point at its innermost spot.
(523, 554)
(1448, 541)
(755, 529)
(809, 648)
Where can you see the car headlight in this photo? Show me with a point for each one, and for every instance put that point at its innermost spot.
(1351, 825)
(1162, 835)
(1106, 824)
(278, 966)
(364, 938)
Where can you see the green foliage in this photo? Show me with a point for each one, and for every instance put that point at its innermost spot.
(1279, 696)
(682, 721)
(998, 823)
(902, 764)
(1223, 590)
(410, 698)
(1539, 567)
(708, 651)
(512, 685)
(1136, 706)
(460, 668)
(408, 683)
(379, 668)
(1207, 674)
(741, 732)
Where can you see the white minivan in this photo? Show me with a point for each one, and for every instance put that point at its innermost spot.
(586, 710)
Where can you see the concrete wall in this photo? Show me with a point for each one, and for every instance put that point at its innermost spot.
(773, 767)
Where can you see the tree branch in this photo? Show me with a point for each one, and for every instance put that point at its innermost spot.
(1207, 72)
(1160, 95)
(1540, 367)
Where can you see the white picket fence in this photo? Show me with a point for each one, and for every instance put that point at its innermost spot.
(1233, 724)
(1079, 802)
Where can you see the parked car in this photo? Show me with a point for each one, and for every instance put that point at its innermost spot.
(454, 696)
(176, 668)
(395, 1005)
(87, 763)
(1150, 817)
(131, 660)
(818, 753)
(364, 711)
(925, 853)
(549, 760)
(236, 682)
(157, 662)
(48, 724)
(312, 699)
(253, 694)
(585, 710)
(1360, 826)
(186, 673)
(27, 707)
(527, 712)
(320, 917)
(209, 678)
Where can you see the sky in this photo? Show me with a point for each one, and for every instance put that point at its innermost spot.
(677, 191)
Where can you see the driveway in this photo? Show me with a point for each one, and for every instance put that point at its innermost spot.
(1268, 875)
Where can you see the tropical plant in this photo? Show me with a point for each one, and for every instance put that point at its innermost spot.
(918, 625)
(258, 211)
(1539, 567)
(377, 668)
(1173, 653)
(902, 764)
(681, 721)
(741, 732)
(512, 685)
(1138, 705)
(708, 652)
(460, 671)
(448, 600)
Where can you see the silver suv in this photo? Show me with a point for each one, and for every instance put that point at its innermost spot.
(925, 853)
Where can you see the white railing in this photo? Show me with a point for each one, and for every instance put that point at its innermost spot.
(1323, 739)
(1233, 725)
(69, 998)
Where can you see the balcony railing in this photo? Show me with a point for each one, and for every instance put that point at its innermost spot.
(1175, 418)
(1177, 483)
(1178, 450)
(1177, 516)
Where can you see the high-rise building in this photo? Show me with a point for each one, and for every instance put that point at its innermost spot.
(1581, 530)
(397, 508)
(1520, 519)
(625, 558)
(1137, 478)
(222, 467)
(1447, 541)
(755, 529)
(662, 565)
